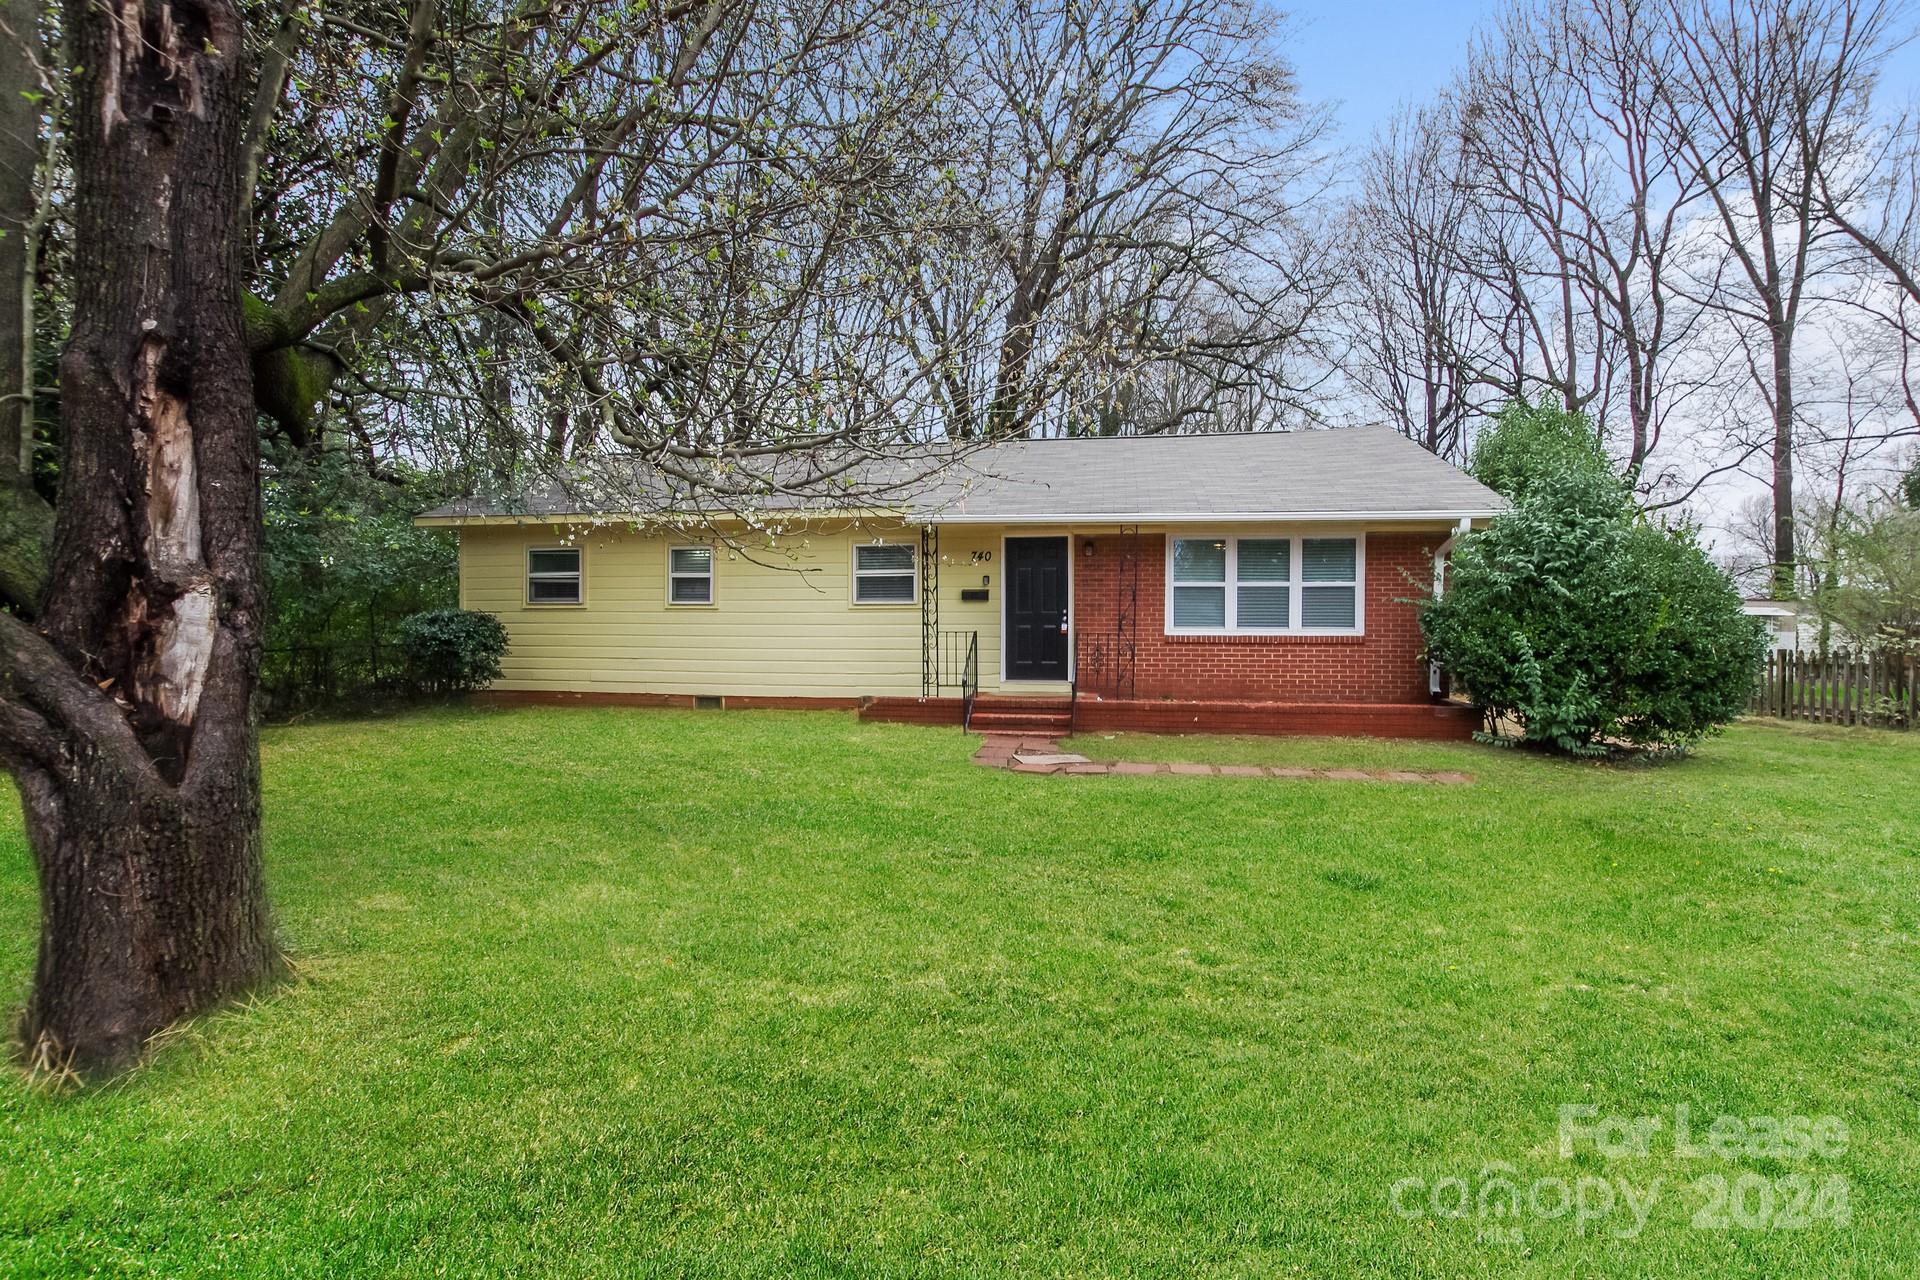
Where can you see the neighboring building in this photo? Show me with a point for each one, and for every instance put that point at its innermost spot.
(1789, 622)
(1259, 582)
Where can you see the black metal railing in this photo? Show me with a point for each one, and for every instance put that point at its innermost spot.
(1105, 652)
(928, 568)
(1126, 613)
(1073, 686)
(969, 680)
(951, 669)
(957, 666)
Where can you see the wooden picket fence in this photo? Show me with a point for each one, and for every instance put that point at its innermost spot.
(1881, 690)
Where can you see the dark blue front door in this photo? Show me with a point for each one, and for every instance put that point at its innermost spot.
(1036, 618)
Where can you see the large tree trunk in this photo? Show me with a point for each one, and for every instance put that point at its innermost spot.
(1785, 575)
(153, 903)
(1006, 412)
(126, 716)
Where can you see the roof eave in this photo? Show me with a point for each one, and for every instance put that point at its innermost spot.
(1228, 517)
(1448, 516)
(665, 519)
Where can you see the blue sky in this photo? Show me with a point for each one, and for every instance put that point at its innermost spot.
(1369, 57)
(1372, 56)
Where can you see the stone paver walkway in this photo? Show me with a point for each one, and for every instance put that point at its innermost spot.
(1026, 753)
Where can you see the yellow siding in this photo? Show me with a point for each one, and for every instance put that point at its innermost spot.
(783, 621)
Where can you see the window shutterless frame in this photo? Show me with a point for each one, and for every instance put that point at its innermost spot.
(1258, 582)
(886, 573)
(556, 575)
(690, 575)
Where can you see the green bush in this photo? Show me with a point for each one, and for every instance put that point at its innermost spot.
(1584, 623)
(1530, 441)
(453, 650)
(1871, 590)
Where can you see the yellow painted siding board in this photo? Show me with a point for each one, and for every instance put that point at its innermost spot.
(783, 621)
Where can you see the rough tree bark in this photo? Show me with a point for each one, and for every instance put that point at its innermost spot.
(1785, 583)
(126, 710)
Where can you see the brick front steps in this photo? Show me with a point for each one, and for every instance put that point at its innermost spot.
(1020, 722)
(1026, 753)
(1048, 717)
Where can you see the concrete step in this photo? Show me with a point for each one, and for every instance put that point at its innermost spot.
(1038, 722)
(1023, 702)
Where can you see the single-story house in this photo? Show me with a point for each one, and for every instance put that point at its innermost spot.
(1233, 583)
(1788, 622)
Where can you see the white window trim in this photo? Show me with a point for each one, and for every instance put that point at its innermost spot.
(578, 576)
(855, 573)
(1295, 568)
(712, 575)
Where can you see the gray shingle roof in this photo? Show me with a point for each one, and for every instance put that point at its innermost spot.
(1348, 473)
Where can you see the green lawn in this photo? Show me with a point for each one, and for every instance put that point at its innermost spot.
(597, 992)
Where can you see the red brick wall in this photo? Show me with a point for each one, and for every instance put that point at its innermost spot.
(1383, 665)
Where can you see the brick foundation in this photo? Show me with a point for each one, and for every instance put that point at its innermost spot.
(563, 697)
(1441, 721)
(914, 710)
(1093, 714)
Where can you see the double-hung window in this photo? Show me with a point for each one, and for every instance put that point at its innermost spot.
(689, 575)
(1263, 585)
(1329, 584)
(553, 575)
(1200, 584)
(885, 573)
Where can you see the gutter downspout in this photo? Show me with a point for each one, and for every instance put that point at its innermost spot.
(1436, 683)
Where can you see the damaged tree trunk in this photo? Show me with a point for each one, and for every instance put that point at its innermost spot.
(126, 710)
